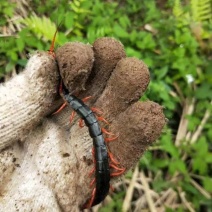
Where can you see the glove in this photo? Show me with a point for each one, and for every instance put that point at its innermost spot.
(44, 159)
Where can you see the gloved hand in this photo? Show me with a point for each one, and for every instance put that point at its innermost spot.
(45, 159)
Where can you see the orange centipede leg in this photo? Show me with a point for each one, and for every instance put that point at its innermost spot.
(96, 110)
(116, 167)
(115, 174)
(92, 182)
(91, 172)
(61, 86)
(111, 139)
(114, 161)
(111, 187)
(92, 198)
(106, 132)
(93, 151)
(81, 123)
(100, 118)
(86, 98)
(61, 108)
(72, 116)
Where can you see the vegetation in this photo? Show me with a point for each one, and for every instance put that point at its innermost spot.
(175, 39)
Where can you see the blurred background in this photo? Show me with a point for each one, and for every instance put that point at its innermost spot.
(174, 38)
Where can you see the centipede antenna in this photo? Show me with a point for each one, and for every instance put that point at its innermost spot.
(51, 49)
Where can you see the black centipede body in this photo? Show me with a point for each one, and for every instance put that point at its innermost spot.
(102, 174)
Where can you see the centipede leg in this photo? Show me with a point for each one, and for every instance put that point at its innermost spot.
(91, 172)
(114, 161)
(100, 118)
(72, 116)
(92, 198)
(116, 167)
(96, 110)
(86, 98)
(106, 132)
(61, 108)
(111, 187)
(115, 174)
(61, 87)
(92, 182)
(81, 123)
(111, 139)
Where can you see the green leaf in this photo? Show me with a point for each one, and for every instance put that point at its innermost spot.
(162, 72)
(201, 146)
(168, 146)
(161, 163)
(199, 165)
(133, 36)
(22, 62)
(124, 21)
(119, 31)
(193, 122)
(207, 183)
(41, 26)
(204, 91)
(20, 44)
(146, 41)
(132, 52)
(9, 67)
(177, 165)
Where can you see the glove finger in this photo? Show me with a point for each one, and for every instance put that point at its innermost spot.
(75, 61)
(107, 52)
(138, 127)
(126, 85)
(25, 99)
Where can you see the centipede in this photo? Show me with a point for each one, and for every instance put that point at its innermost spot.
(102, 169)
(103, 158)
